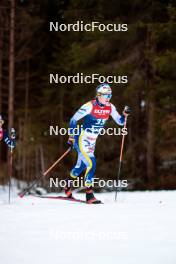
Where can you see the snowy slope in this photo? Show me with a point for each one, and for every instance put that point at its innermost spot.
(139, 228)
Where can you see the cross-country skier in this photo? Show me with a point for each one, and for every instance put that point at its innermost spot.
(9, 140)
(95, 113)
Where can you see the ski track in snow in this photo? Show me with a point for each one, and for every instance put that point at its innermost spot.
(139, 228)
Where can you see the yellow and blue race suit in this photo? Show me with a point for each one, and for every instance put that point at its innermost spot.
(95, 116)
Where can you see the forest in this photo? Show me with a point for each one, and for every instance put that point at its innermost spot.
(145, 53)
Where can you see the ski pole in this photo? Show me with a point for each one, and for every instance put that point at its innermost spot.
(120, 160)
(45, 173)
(10, 168)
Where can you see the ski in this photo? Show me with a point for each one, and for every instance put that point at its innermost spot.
(59, 198)
(62, 198)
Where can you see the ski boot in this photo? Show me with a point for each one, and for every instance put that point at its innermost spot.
(68, 192)
(90, 198)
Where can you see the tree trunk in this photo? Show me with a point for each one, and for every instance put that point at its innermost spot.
(1, 58)
(151, 138)
(150, 74)
(26, 127)
(11, 66)
(61, 118)
(11, 78)
(1, 62)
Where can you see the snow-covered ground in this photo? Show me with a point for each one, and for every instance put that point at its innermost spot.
(139, 228)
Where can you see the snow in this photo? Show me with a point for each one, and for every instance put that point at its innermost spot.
(139, 228)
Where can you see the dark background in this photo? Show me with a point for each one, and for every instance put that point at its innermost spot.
(146, 53)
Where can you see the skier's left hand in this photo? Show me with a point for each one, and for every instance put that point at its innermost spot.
(127, 110)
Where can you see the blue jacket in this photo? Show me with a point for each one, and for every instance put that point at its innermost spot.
(4, 136)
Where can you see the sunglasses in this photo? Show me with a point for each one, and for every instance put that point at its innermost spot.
(106, 96)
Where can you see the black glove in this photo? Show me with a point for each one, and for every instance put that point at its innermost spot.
(71, 141)
(12, 134)
(127, 110)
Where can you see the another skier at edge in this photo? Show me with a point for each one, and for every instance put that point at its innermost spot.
(95, 113)
(8, 139)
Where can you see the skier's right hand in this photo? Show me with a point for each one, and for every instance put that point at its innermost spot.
(71, 141)
(12, 134)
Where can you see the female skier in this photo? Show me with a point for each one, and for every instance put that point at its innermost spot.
(95, 113)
